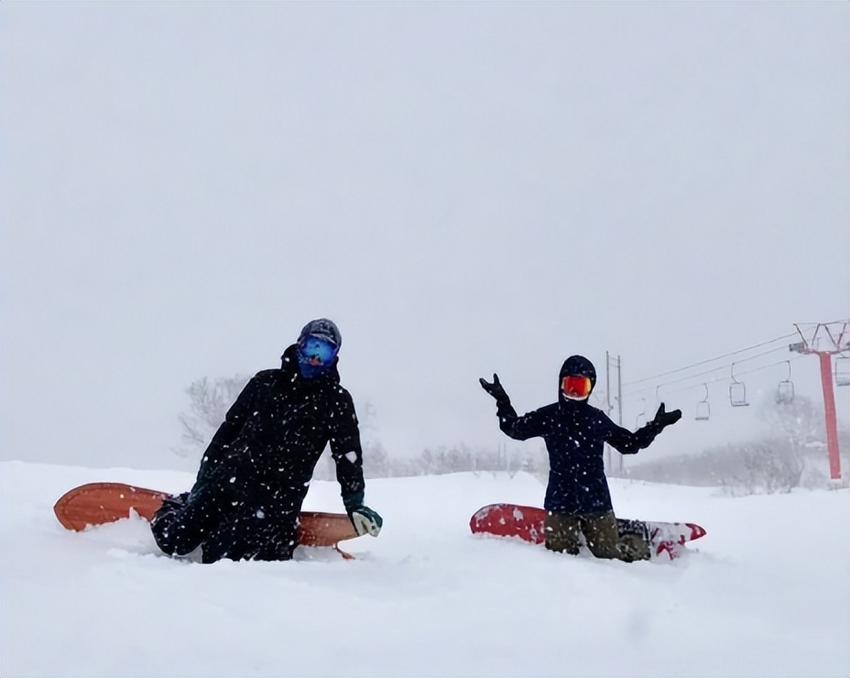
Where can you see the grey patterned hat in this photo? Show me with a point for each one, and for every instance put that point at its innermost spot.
(323, 328)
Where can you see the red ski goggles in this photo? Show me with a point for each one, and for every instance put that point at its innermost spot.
(576, 388)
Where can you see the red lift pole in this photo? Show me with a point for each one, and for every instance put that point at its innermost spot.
(828, 339)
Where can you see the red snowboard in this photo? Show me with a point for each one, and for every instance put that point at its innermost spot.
(99, 503)
(526, 522)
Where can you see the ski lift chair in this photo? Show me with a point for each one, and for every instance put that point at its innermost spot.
(785, 389)
(842, 371)
(703, 412)
(640, 419)
(737, 391)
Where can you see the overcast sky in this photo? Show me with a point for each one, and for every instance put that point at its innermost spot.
(463, 188)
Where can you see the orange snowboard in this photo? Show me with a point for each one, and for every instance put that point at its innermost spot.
(99, 503)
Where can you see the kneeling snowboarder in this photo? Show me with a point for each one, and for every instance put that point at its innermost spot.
(578, 501)
(256, 471)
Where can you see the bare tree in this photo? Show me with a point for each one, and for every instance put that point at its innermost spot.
(209, 401)
(800, 420)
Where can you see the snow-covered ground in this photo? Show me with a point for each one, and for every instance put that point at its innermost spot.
(765, 593)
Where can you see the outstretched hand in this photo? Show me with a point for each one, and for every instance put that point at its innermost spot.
(664, 418)
(495, 388)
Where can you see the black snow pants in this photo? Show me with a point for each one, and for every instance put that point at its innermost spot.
(208, 517)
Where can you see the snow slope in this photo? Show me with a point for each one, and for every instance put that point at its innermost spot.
(764, 594)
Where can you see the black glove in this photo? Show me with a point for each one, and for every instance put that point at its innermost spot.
(495, 389)
(663, 418)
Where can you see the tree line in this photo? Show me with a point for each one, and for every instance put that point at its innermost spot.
(793, 455)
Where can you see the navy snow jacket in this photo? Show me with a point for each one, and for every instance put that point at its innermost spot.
(574, 432)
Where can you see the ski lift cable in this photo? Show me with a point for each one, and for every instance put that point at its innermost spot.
(711, 360)
(710, 371)
(737, 374)
(764, 367)
(724, 379)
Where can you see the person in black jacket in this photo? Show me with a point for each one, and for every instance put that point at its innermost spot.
(577, 497)
(256, 470)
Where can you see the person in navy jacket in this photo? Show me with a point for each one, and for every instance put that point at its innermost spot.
(578, 501)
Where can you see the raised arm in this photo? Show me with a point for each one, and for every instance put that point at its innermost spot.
(527, 426)
(626, 442)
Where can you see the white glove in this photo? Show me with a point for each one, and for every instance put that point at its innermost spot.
(366, 521)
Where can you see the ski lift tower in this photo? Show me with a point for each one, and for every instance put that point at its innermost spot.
(826, 340)
(618, 362)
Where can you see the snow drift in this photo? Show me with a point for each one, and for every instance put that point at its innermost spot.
(765, 593)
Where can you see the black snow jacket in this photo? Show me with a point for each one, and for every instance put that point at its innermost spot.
(266, 449)
(574, 433)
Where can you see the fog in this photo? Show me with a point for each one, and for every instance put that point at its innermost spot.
(464, 188)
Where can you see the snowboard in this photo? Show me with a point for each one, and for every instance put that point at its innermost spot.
(100, 503)
(526, 522)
